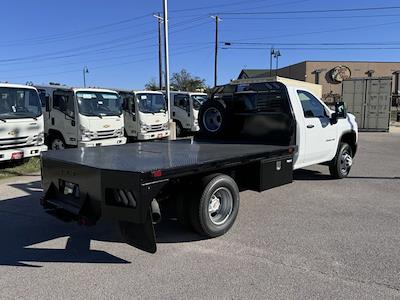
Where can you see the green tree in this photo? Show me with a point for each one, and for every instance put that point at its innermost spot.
(184, 81)
(152, 85)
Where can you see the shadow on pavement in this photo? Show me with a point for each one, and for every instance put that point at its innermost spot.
(23, 223)
(303, 174)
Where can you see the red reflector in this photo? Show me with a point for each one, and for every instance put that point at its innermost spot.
(156, 173)
(17, 155)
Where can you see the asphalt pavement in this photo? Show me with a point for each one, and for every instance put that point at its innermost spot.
(316, 238)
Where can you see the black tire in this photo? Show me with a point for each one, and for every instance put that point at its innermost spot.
(179, 129)
(341, 165)
(202, 219)
(57, 142)
(214, 119)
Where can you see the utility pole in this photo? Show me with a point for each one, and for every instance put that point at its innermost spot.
(85, 71)
(159, 21)
(217, 20)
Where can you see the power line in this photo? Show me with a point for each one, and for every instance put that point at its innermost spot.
(92, 47)
(313, 48)
(196, 49)
(323, 31)
(310, 44)
(95, 28)
(311, 11)
(251, 18)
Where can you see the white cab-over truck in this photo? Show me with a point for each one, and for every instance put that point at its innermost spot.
(21, 122)
(185, 108)
(81, 117)
(145, 115)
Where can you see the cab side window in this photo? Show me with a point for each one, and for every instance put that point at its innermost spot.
(182, 101)
(64, 103)
(312, 107)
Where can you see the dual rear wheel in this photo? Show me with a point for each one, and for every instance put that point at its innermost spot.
(211, 208)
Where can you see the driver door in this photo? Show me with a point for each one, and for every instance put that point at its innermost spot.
(63, 116)
(181, 110)
(320, 135)
(130, 114)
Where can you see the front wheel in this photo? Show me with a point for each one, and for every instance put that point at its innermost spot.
(57, 143)
(341, 165)
(215, 211)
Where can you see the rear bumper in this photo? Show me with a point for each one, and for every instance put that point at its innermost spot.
(105, 142)
(153, 135)
(26, 152)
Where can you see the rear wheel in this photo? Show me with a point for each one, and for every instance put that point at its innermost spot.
(215, 211)
(341, 164)
(214, 118)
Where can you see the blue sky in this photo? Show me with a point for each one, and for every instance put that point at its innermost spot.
(43, 41)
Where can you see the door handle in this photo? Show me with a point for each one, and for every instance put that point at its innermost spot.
(310, 126)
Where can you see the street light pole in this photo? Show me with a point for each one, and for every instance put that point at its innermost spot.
(271, 53)
(277, 54)
(85, 71)
(159, 21)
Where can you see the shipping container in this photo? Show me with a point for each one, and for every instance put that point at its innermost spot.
(369, 100)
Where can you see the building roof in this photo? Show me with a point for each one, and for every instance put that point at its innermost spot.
(254, 73)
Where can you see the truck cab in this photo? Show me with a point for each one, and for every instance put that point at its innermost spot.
(270, 110)
(81, 117)
(145, 115)
(185, 108)
(21, 120)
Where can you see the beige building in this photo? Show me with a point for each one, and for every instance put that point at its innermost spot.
(330, 74)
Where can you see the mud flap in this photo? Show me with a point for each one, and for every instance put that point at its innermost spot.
(141, 236)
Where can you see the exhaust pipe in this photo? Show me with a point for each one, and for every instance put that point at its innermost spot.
(155, 212)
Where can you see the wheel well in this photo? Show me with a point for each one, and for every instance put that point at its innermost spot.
(350, 138)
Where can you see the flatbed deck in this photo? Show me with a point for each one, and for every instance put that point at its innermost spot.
(150, 156)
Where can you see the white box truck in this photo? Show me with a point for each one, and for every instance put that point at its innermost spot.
(145, 115)
(185, 108)
(81, 117)
(21, 122)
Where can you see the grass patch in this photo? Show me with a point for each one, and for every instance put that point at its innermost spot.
(26, 167)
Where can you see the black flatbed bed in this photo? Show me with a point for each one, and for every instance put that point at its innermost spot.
(161, 155)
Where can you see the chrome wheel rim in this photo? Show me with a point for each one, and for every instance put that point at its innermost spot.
(212, 119)
(220, 206)
(346, 161)
(57, 144)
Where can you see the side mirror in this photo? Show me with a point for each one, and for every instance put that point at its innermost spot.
(47, 103)
(340, 110)
(133, 116)
(333, 119)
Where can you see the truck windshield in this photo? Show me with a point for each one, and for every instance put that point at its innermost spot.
(99, 104)
(18, 103)
(151, 103)
(198, 100)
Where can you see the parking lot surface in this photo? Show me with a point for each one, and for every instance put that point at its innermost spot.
(315, 238)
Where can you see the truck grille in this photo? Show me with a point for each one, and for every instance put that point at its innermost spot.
(17, 142)
(105, 134)
(158, 127)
